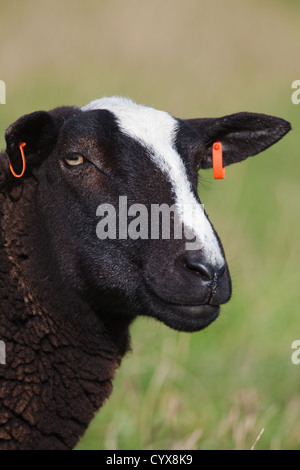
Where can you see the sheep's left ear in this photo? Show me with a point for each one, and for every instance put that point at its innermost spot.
(242, 135)
(38, 131)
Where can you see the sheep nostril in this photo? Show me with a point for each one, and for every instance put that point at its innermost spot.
(219, 272)
(207, 272)
(200, 269)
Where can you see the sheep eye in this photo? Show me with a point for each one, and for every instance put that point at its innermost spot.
(74, 160)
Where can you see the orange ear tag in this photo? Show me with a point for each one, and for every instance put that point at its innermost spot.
(21, 145)
(217, 159)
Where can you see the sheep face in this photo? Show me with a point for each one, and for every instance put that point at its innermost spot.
(101, 174)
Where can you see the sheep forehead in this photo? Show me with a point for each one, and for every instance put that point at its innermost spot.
(147, 125)
(157, 131)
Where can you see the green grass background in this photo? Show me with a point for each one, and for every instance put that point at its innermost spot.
(216, 389)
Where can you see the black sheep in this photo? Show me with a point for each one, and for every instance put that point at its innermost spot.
(69, 297)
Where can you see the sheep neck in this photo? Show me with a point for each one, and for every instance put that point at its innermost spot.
(60, 358)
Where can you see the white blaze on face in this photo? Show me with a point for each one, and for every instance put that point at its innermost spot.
(156, 130)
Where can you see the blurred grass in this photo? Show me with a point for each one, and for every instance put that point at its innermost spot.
(215, 389)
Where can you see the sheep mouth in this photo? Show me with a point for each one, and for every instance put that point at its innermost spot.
(178, 316)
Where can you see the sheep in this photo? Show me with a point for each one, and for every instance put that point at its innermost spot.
(68, 297)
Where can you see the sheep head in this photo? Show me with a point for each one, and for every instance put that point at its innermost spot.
(112, 157)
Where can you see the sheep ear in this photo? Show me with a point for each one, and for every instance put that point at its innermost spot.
(38, 131)
(242, 135)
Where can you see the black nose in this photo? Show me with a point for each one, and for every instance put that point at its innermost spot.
(195, 263)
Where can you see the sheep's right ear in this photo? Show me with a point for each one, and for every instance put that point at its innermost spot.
(38, 131)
